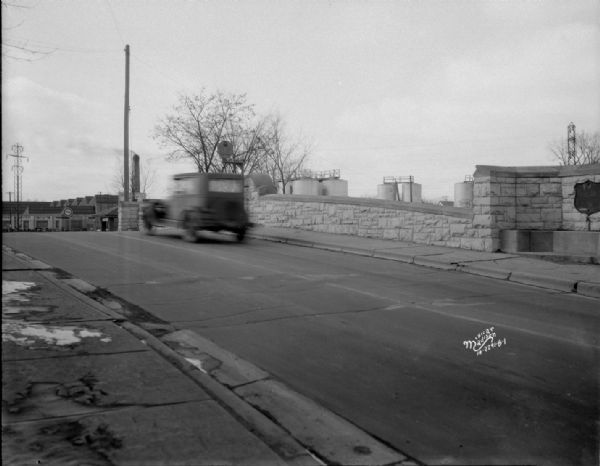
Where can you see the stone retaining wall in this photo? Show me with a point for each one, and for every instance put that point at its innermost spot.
(504, 198)
(373, 218)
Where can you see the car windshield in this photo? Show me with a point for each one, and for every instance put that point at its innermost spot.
(226, 186)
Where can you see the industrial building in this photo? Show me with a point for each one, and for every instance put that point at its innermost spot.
(97, 212)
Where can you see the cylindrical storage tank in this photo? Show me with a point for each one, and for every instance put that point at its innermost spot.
(306, 186)
(287, 189)
(386, 191)
(334, 187)
(407, 196)
(260, 183)
(463, 194)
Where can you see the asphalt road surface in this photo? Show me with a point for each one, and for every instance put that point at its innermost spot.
(380, 343)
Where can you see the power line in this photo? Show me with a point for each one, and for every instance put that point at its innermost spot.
(19, 42)
(115, 22)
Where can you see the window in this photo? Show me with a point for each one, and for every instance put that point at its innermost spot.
(226, 186)
(182, 186)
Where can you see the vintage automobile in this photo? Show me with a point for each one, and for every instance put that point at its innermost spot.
(201, 201)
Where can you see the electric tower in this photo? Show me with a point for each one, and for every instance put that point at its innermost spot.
(18, 173)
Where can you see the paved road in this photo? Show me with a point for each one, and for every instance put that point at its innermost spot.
(378, 342)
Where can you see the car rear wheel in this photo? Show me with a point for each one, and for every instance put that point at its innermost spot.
(189, 232)
(148, 228)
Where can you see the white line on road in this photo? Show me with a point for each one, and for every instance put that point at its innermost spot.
(578, 342)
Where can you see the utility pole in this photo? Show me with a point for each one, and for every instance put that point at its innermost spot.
(18, 170)
(126, 130)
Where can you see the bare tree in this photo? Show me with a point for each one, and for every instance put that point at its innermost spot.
(587, 150)
(198, 123)
(285, 155)
(248, 147)
(147, 177)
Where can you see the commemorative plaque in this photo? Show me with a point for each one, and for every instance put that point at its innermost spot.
(587, 197)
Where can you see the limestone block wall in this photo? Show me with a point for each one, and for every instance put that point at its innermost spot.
(504, 198)
(128, 213)
(373, 218)
(530, 198)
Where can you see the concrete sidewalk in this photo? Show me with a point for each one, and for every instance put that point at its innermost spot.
(85, 380)
(79, 388)
(583, 279)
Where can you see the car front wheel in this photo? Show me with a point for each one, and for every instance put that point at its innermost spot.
(241, 234)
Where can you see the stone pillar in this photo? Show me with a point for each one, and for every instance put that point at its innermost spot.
(494, 204)
(128, 216)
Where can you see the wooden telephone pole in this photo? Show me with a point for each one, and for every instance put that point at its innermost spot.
(126, 130)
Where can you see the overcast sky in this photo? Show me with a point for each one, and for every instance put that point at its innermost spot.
(380, 88)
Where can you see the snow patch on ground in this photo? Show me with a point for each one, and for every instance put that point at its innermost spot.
(197, 363)
(10, 287)
(26, 334)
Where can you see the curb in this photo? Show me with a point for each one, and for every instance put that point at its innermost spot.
(588, 289)
(484, 270)
(527, 278)
(406, 258)
(591, 290)
(265, 429)
(308, 423)
(430, 261)
(357, 251)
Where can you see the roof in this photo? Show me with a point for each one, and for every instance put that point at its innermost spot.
(79, 206)
(48, 209)
(11, 207)
(110, 212)
(106, 198)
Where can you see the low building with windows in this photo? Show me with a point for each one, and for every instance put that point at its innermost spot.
(97, 212)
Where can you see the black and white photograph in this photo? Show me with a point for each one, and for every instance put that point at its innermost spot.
(300, 232)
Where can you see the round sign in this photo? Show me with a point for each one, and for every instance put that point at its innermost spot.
(68, 211)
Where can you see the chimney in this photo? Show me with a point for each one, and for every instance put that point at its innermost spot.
(135, 188)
